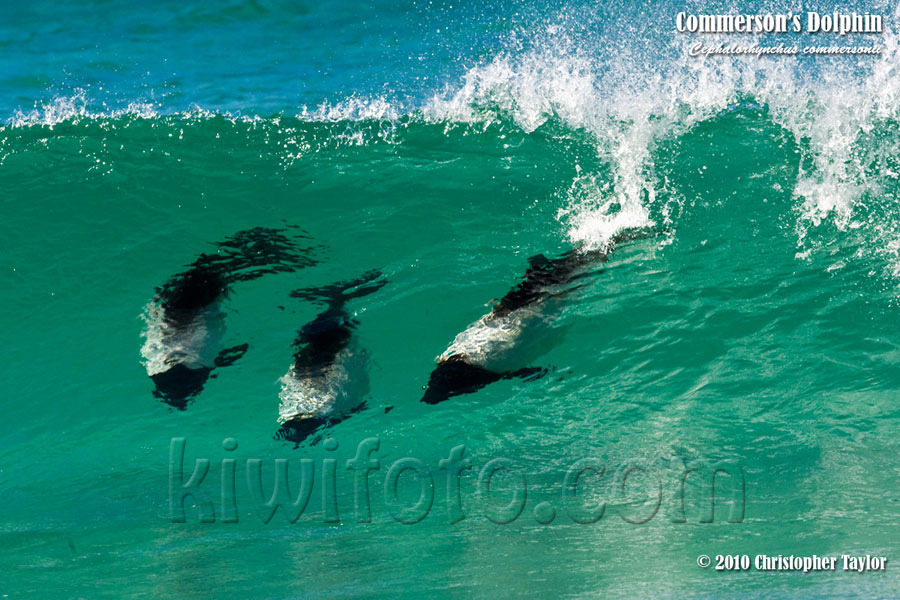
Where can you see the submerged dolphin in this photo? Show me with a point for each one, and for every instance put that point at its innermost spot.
(185, 320)
(515, 331)
(328, 379)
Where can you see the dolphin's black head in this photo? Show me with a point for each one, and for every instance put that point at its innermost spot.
(194, 290)
(178, 385)
(455, 376)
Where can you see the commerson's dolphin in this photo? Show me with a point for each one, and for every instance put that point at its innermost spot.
(515, 331)
(185, 320)
(328, 379)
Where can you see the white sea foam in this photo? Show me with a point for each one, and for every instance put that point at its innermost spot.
(830, 106)
(73, 107)
(626, 110)
(354, 108)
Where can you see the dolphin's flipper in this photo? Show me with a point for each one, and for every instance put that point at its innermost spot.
(229, 356)
(529, 374)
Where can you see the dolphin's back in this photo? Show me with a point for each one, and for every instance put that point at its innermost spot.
(543, 278)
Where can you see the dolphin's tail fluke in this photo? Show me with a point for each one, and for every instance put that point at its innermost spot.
(336, 294)
(244, 256)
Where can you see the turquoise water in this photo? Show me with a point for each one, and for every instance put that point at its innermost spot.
(752, 326)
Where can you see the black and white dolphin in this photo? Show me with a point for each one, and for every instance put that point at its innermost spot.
(516, 330)
(185, 320)
(328, 379)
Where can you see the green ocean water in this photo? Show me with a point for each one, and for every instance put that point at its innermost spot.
(751, 327)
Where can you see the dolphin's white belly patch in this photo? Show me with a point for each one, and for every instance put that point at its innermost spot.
(336, 389)
(193, 344)
(495, 342)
